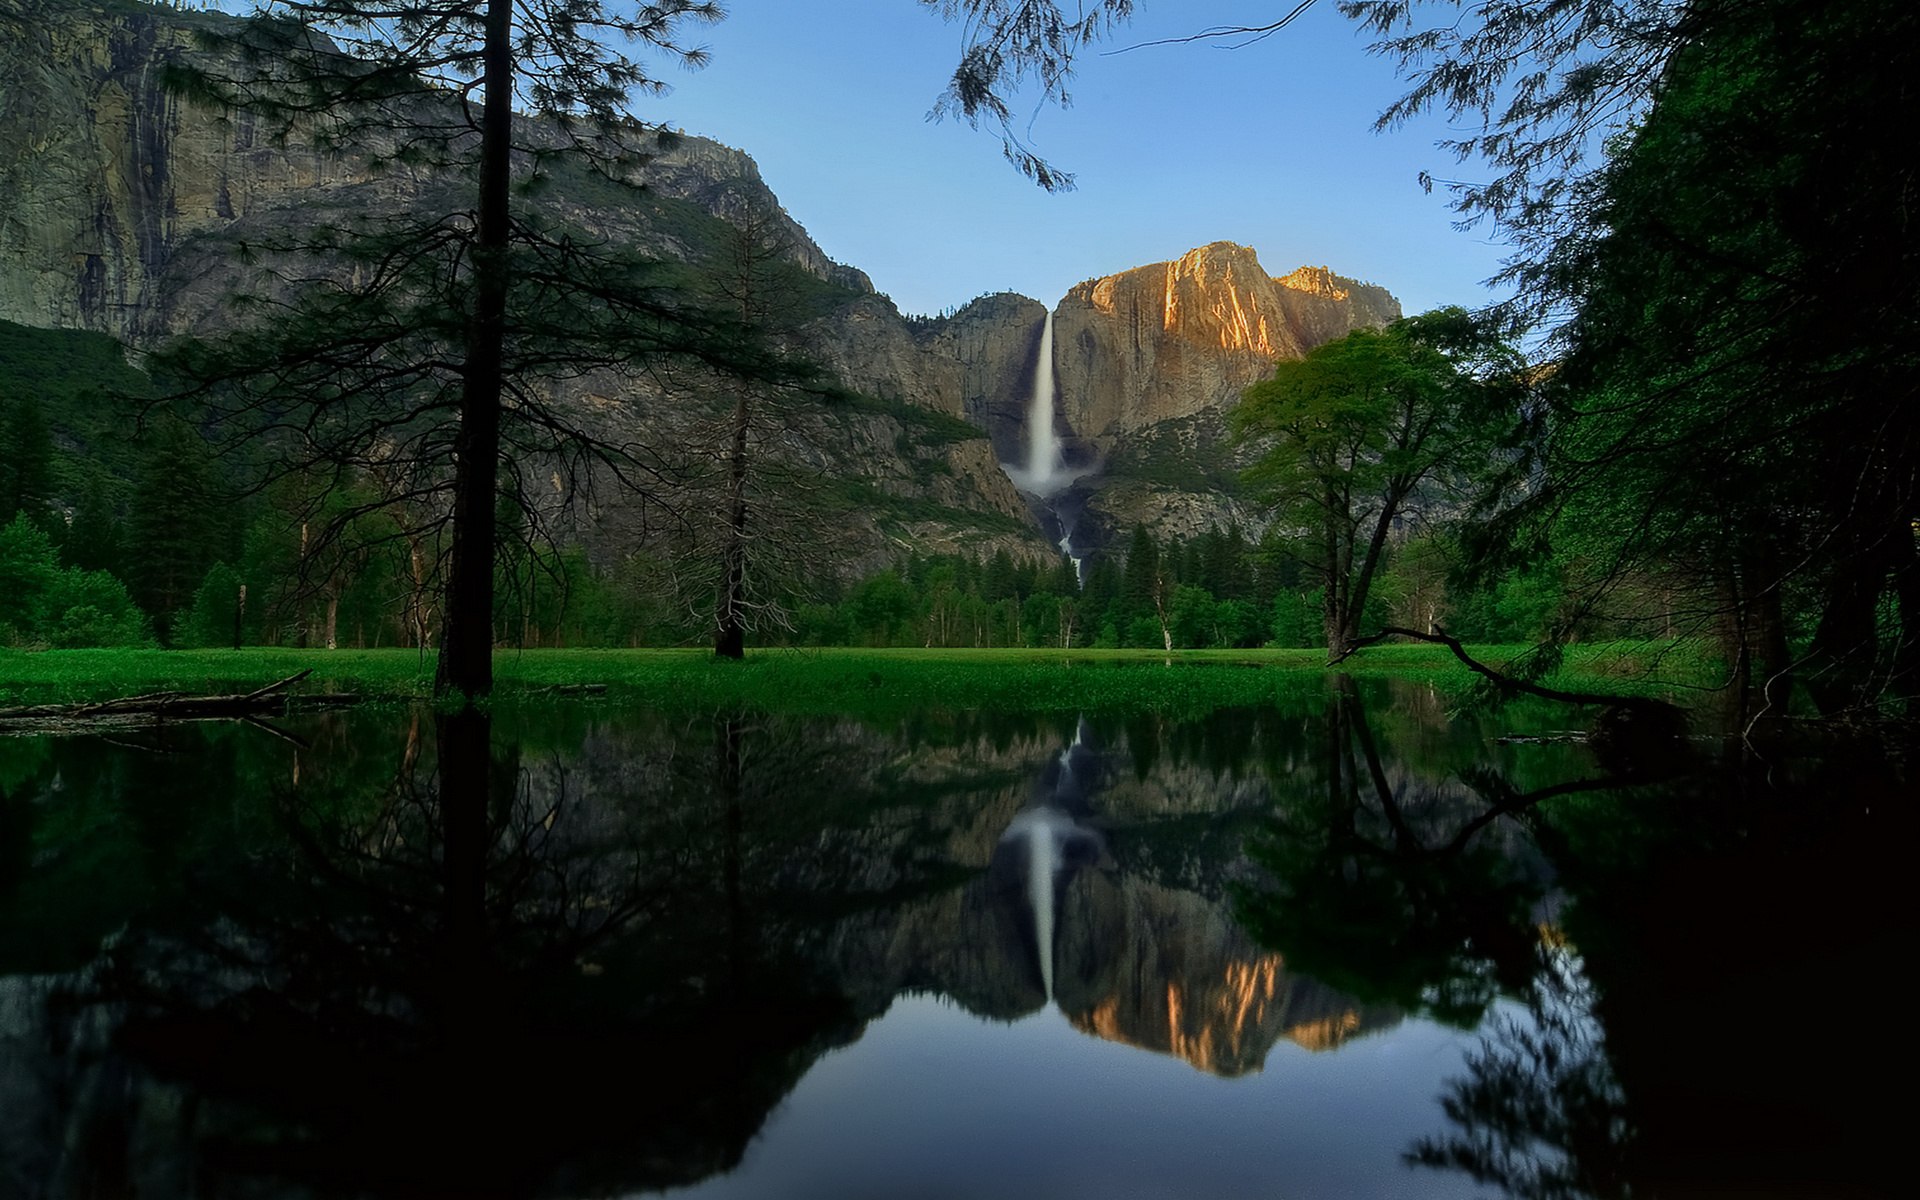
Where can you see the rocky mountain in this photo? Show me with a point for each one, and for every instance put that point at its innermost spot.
(126, 204)
(1150, 360)
(1177, 339)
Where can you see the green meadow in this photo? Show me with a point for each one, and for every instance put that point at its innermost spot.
(814, 681)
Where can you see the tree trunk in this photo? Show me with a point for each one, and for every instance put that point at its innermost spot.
(417, 603)
(731, 640)
(466, 647)
(1356, 598)
(1330, 606)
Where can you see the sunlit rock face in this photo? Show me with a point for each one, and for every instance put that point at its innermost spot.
(1172, 339)
(1151, 360)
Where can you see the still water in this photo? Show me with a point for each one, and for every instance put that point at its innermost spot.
(1344, 945)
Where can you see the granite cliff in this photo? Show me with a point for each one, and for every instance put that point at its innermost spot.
(1178, 339)
(1149, 362)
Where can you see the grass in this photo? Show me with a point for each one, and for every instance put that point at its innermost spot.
(871, 683)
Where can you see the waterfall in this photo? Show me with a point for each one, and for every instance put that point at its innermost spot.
(1043, 473)
(1043, 449)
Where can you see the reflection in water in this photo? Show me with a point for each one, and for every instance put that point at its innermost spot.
(568, 953)
(1540, 1113)
(1050, 835)
(1131, 960)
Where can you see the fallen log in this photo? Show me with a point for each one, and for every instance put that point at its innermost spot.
(159, 708)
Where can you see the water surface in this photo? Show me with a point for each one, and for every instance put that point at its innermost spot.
(1345, 944)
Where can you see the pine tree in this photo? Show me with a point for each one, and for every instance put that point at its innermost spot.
(1143, 567)
(172, 526)
(1002, 580)
(93, 541)
(26, 462)
(426, 360)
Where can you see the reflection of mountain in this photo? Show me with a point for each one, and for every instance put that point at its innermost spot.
(1126, 956)
(1168, 971)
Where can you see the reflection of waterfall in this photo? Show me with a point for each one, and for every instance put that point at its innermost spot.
(1098, 933)
(1046, 830)
(1049, 829)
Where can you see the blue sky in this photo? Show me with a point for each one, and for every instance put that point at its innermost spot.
(1175, 146)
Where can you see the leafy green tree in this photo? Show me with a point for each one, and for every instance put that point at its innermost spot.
(1736, 408)
(93, 609)
(1292, 622)
(879, 606)
(217, 617)
(1376, 428)
(1414, 586)
(1190, 616)
(1236, 623)
(40, 602)
(29, 572)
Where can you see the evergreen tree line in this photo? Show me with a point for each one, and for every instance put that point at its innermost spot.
(1217, 590)
(176, 554)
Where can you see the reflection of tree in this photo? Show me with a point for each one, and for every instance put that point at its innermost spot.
(1539, 1113)
(1382, 888)
(483, 981)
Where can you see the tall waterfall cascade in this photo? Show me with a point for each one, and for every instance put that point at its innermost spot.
(1043, 448)
(1045, 472)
